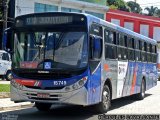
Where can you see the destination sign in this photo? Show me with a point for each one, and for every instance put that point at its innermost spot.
(48, 20)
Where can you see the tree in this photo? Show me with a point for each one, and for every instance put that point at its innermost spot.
(1, 8)
(157, 13)
(151, 10)
(135, 7)
(118, 4)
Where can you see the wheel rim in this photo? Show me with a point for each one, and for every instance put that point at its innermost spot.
(106, 98)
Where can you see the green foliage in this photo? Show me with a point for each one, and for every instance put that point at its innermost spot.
(118, 4)
(157, 13)
(1, 7)
(151, 10)
(135, 7)
(4, 87)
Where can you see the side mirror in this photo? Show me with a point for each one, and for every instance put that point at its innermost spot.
(4, 39)
(7, 34)
(95, 47)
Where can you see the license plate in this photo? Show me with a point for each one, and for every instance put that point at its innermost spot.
(43, 95)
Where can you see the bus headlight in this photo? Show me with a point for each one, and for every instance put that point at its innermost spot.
(76, 85)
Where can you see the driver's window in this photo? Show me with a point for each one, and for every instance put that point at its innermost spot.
(96, 41)
(96, 47)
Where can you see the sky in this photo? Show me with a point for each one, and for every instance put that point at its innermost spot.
(147, 3)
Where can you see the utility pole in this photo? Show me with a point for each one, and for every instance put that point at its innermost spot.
(135, 1)
(5, 16)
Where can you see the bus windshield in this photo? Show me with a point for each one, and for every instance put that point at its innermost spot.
(50, 50)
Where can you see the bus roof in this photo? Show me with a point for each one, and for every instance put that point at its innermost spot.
(97, 20)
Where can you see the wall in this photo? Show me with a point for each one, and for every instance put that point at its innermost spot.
(101, 2)
(23, 7)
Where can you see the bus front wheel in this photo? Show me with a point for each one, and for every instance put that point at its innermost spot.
(105, 104)
(43, 106)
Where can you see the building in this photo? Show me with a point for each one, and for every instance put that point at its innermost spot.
(145, 25)
(21, 7)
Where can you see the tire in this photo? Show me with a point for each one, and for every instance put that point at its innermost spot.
(105, 104)
(43, 106)
(141, 95)
(8, 75)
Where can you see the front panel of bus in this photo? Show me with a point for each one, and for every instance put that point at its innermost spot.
(50, 58)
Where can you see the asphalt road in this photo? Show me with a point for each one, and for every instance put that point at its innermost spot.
(150, 105)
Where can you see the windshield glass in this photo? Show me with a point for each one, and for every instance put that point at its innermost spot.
(50, 50)
(4, 56)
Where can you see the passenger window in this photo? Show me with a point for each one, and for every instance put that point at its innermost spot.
(143, 56)
(137, 44)
(143, 47)
(149, 57)
(150, 48)
(131, 54)
(122, 53)
(138, 55)
(140, 45)
(110, 52)
(154, 58)
(153, 49)
(130, 42)
(121, 40)
(110, 37)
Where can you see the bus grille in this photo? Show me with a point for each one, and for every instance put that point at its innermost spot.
(42, 76)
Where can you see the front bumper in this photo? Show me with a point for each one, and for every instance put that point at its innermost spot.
(76, 97)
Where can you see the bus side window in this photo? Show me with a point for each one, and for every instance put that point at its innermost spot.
(96, 47)
(121, 40)
(110, 37)
(131, 55)
(122, 49)
(148, 53)
(154, 53)
(143, 53)
(137, 51)
(110, 41)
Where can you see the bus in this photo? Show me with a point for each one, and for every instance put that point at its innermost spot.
(78, 59)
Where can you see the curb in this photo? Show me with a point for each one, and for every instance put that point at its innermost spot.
(4, 95)
(16, 107)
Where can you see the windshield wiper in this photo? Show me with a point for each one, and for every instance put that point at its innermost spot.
(40, 47)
